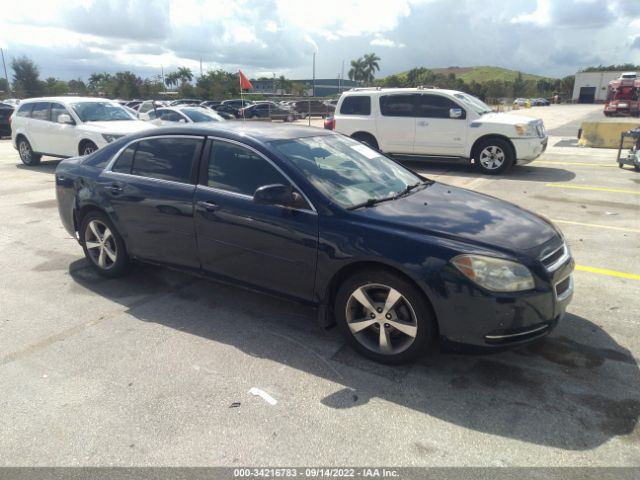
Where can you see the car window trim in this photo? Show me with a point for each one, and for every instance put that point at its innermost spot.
(204, 166)
(194, 172)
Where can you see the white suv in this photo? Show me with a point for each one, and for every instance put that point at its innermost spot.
(424, 122)
(68, 126)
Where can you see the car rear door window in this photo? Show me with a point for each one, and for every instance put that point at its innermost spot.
(435, 106)
(166, 158)
(398, 105)
(239, 170)
(40, 111)
(25, 110)
(171, 116)
(356, 105)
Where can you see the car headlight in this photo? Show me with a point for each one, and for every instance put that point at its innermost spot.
(494, 274)
(526, 130)
(111, 138)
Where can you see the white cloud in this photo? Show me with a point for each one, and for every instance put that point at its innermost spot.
(540, 16)
(386, 42)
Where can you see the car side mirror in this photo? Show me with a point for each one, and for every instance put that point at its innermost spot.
(65, 118)
(274, 195)
(456, 113)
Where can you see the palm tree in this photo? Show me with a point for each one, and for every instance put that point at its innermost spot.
(357, 71)
(185, 74)
(171, 79)
(370, 62)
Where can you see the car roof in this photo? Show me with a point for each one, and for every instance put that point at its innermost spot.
(66, 99)
(257, 131)
(378, 91)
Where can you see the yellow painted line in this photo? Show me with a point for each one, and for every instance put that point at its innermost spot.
(595, 189)
(606, 271)
(595, 225)
(580, 164)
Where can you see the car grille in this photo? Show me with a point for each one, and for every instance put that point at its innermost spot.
(556, 258)
(563, 288)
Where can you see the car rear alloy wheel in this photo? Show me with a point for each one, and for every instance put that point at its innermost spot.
(494, 156)
(384, 317)
(26, 153)
(102, 245)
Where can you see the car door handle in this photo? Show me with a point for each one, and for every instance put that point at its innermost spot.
(115, 189)
(423, 124)
(208, 206)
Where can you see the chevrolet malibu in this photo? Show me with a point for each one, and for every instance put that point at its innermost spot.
(398, 261)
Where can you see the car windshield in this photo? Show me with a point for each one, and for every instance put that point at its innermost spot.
(100, 112)
(348, 172)
(201, 115)
(474, 103)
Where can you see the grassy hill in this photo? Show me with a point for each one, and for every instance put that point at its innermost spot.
(482, 74)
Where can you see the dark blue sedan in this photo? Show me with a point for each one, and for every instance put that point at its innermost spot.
(396, 260)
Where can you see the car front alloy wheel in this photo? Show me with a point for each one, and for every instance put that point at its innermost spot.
(384, 316)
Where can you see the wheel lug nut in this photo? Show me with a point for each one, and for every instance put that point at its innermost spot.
(379, 310)
(373, 315)
(388, 316)
(386, 325)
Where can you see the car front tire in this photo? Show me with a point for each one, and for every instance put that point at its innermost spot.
(27, 155)
(87, 147)
(103, 246)
(494, 156)
(384, 317)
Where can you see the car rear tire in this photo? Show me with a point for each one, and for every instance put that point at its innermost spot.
(103, 246)
(87, 147)
(366, 138)
(27, 155)
(384, 316)
(494, 156)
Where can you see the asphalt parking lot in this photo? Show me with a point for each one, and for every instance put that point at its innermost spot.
(156, 368)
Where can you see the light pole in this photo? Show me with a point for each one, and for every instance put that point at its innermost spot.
(4, 65)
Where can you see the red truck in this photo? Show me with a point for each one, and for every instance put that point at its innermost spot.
(622, 97)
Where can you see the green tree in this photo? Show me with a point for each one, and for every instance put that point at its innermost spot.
(77, 87)
(99, 83)
(171, 79)
(371, 65)
(53, 86)
(283, 84)
(519, 87)
(4, 87)
(357, 72)
(185, 75)
(26, 77)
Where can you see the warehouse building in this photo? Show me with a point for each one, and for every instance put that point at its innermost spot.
(591, 87)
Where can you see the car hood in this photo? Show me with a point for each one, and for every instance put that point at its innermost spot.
(118, 127)
(506, 119)
(457, 213)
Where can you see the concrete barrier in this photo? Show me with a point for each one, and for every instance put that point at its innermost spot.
(605, 134)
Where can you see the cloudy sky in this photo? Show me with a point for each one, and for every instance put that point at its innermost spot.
(72, 38)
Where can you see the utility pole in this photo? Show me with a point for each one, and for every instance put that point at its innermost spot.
(164, 85)
(5, 69)
(200, 66)
(313, 85)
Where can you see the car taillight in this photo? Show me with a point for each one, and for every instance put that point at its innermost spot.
(330, 123)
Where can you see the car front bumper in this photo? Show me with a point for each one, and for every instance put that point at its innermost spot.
(528, 149)
(470, 315)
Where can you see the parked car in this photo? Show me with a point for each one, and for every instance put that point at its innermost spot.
(423, 122)
(312, 108)
(398, 261)
(237, 103)
(268, 110)
(6, 111)
(522, 102)
(210, 103)
(228, 110)
(540, 102)
(185, 101)
(68, 126)
(148, 106)
(183, 114)
(133, 104)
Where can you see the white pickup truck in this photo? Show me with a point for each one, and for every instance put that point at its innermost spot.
(432, 122)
